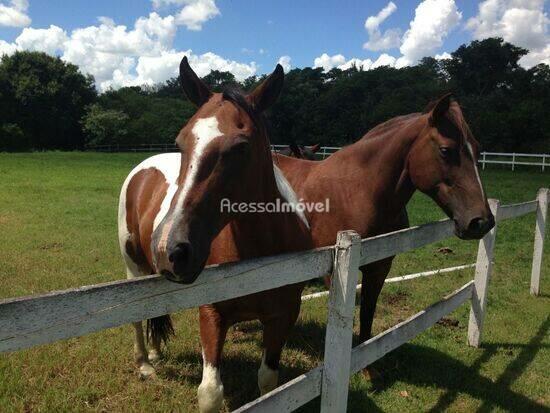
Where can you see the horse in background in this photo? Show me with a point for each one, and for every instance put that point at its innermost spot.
(370, 182)
(301, 151)
(171, 222)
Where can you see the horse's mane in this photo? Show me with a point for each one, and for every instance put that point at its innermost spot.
(236, 96)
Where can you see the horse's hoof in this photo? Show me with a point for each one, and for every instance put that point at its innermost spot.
(371, 374)
(154, 356)
(146, 371)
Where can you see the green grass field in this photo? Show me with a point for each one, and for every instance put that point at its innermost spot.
(58, 230)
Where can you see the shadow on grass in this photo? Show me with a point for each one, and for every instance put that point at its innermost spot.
(239, 374)
(445, 372)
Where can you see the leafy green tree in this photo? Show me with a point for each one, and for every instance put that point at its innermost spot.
(46, 98)
(105, 126)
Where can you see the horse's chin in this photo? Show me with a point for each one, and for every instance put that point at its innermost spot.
(466, 235)
(188, 277)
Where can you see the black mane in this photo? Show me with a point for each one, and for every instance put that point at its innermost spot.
(236, 96)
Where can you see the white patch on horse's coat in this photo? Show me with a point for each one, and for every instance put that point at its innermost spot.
(288, 193)
(267, 377)
(171, 171)
(169, 165)
(210, 391)
(470, 149)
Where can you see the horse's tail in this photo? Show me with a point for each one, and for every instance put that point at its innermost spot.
(159, 329)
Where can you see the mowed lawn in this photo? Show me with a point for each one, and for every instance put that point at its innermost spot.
(58, 230)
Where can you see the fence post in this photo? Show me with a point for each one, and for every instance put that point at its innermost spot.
(336, 371)
(483, 167)
(484, 266)
(540, 228)
(513, 160)
(543, 158)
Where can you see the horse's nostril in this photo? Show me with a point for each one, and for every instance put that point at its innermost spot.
(180, 253)
(481, 225)
(476, 224)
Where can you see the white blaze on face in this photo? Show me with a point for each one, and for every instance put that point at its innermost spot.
(204, 132)
(470, 149)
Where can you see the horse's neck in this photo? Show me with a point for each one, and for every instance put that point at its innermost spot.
(382, 159)
(251, 226)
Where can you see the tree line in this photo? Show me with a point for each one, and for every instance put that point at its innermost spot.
(47, 104)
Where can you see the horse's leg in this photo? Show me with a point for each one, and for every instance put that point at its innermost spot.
(155, 353)
(374, 275)
(276, 332)
(140, 350)
(213, 330)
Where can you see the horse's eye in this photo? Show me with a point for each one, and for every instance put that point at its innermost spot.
(444, 151)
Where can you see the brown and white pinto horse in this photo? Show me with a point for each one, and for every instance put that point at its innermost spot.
(171, 222)
(370, 182)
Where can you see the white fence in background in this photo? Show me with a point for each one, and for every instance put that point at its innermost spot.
(30, 321)
(501, 158)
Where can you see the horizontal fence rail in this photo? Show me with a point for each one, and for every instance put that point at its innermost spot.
(29, 321)
(501, 158)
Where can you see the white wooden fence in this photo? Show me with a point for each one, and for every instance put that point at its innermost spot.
(502, 158)
(29, 321)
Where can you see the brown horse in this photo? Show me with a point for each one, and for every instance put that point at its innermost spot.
(300, 151)
(370, 182)
(171, 221)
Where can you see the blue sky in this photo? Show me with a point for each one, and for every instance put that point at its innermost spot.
(257, 33)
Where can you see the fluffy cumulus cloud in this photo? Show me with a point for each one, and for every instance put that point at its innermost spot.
(521, 22)
(117, 55)
(51, 40)
(14, 13)
(378, 41)
(433, 21)
(284, 61)
(340, 62)
(193, 13)
(328, 62)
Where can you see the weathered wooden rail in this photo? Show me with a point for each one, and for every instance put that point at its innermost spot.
(29, 321)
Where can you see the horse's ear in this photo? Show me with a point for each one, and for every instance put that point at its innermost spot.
(295, 150)
(194, 88)
(440, 108)
(315, 148)
(268, 91)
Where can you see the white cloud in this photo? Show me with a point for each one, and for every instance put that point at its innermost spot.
(194, 12)
(384, 60)
(443, 56)
(120, 56)
(433, 21)
(378, 41)
(521, 22)
(329, 62)
(14, 14)
(7, 48)
(284, 61)
(51, 40)
(358, 63)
